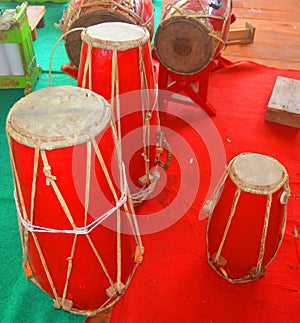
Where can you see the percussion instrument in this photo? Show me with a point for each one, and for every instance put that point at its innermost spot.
(61, 147)
(85, 13)
(247, 224)
(116, 63)
(192, 33)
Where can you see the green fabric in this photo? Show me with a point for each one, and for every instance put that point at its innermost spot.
(21, 300)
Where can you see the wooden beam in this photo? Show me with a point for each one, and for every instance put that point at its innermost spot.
(241, 35)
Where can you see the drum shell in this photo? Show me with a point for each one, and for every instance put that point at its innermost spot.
(181, 12)
(88, 282)
(81, 13)
(129, 72)
(130, 87)
(242, 244)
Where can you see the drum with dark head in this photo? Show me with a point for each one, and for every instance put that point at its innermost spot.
(85, 13)
(192, 33)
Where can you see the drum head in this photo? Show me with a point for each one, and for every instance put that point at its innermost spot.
(58, 117)
(115, 35)
(253, 172)
(73, 40)
(183, 45)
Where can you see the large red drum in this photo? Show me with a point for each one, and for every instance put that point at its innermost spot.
(85, 13)
(192, 33)
(116, 63)
(61, 150)
(247, 225)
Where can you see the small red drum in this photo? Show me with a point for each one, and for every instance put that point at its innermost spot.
(116, 63)
(85, 13)
(192, 34)
(247, 225)
(61, 147)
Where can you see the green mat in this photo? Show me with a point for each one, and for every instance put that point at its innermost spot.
(21, 300)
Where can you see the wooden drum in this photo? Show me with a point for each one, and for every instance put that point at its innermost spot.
(246, 227)
(192, 34)
(61, 145)
(85, 13)
(116, 63)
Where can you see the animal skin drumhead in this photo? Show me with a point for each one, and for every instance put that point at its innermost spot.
(183, 45)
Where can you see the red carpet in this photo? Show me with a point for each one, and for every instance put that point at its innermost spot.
(175, 282)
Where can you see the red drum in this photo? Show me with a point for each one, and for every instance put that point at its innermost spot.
(60, 148)
(247, 225)
(85, 13)
(117, 53)
(192, 34)
(116, 60)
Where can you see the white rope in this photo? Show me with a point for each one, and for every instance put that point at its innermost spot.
(80, 230)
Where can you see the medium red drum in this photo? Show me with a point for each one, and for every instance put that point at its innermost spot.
(247, 225)
(61, 147)
(85, 13)
(116, 63)
(192, 33)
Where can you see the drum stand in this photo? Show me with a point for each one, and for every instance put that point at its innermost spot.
(171, 81)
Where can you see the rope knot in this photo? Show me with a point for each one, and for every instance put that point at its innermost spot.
(148, 115)
(49, 176)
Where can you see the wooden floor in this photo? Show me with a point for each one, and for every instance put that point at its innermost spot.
(277, 32)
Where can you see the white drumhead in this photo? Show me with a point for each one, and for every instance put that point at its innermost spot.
(120, 35)
(58, 117)
(256, 171)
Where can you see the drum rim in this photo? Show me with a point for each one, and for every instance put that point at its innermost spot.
(55, 142)
(112, 44)
(189, 20)
(252, 188)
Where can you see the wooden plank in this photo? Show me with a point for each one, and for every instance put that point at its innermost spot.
(268, 15)
(268, 62)
(275, 5)
(274, 42)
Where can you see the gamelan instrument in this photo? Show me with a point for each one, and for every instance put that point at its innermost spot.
(247, 224)
(69, 181)
(192, 33)
(85, 13)
(116, 63)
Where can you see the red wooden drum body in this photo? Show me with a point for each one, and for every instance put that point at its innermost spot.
(116, 63)
(55, 136)
(85, 13)
(132, 63)
(192, 34)
(247, 224)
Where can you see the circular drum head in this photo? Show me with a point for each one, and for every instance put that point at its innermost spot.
(58, 117)
(73, 40)
(251, 171)
(115, 35)
(183, 45)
